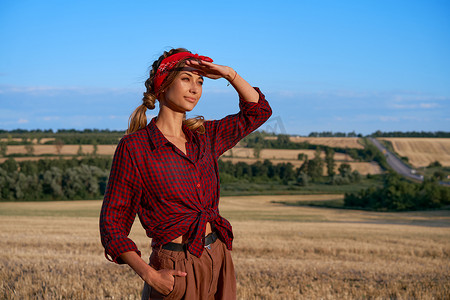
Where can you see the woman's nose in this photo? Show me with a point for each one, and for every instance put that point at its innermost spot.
(194, 88)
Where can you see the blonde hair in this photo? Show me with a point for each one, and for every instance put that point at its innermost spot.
(138, 118)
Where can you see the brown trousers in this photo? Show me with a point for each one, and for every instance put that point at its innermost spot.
(210, 276)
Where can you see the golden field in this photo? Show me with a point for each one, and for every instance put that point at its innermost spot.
(342, 142)
(109, 150)
(34, 141)
(65, 149)
(422, 151)
(69, 151)
(52, 250)
(273, 154)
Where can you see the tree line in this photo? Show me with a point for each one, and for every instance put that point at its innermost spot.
(86, 178)
(310, 171)
(334, 134)
(428, 134)
(64, 136)
(399, 194)
(54, 179)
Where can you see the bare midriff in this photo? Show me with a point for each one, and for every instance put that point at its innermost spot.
(183, 238)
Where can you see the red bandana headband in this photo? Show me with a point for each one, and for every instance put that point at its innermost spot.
(168, 63)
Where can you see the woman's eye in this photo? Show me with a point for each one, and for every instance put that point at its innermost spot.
(200, 82)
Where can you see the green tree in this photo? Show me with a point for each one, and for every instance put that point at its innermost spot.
(94, 152)
(257, 150)
(302, 179)
(283, 140)
(3, 148)
(10, 165)
(398, 194)
(356, 176)
(59, 143)
(6, 184)
(315, 166)
(80, 151)
(439, 175)
(435, 164)
(52, 183)
(345, 170)
(29, 148)
(329, 159)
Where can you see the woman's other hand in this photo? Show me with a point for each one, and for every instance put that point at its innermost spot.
(161, 280)
(164, 281)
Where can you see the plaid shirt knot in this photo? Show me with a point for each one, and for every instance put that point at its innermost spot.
(205, 215)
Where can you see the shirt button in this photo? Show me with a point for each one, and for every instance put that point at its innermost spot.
(198, 185)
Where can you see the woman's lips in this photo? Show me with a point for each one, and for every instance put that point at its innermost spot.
(190, 99)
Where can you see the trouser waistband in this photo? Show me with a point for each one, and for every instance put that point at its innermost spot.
(209, 239)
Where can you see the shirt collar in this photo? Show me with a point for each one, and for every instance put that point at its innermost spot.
(158, 139)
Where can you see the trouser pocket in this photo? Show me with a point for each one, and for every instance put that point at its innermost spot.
(166, 259)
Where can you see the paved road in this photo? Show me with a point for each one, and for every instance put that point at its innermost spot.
(396, 164)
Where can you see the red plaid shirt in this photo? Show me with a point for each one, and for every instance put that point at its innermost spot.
(173, 194)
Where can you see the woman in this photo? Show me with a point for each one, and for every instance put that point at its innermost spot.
(167, 173)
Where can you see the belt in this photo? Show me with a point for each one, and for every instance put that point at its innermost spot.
(209, 239)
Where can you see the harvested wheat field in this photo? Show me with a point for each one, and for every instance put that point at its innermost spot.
(52, 251)
(64, 150)
(342, 142)
(422, 151)
(274, 154)
(34, 141)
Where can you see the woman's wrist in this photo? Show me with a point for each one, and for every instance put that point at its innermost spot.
(231, 75)
(149, 275)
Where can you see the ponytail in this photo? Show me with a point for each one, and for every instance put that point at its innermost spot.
(195, 124)
(137, 120)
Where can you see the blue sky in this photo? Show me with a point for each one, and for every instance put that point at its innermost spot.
(324, 65)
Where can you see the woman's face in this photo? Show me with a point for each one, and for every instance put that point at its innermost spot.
(184, 92)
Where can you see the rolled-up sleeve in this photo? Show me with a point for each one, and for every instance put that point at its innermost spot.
(120, 205)
(227, 132)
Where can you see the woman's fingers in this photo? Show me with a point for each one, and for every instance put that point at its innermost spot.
(208, 69)
(178, 273)
(166, 282)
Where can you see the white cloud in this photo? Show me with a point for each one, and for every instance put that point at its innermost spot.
(287, 94)
(56, 90)
(22, 121)
(51, 118)
(388, 119)
(404, 106)
(123, 117)
(428, 105)
(407, 97)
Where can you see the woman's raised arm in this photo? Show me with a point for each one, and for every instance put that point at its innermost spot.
(214, 71)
